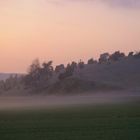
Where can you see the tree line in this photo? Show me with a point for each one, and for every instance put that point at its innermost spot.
(41, 76)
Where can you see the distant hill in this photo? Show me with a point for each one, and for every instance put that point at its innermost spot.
(4, 76)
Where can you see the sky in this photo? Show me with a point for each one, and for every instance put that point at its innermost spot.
(65, 30)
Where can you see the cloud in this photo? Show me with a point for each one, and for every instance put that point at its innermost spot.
(123, 3)
(133, 4)
(112, 3)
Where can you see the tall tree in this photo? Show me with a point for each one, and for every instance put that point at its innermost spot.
(39, 75)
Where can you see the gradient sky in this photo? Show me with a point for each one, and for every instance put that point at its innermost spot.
(65, 30)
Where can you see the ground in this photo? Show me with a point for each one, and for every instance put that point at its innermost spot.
(82, 122)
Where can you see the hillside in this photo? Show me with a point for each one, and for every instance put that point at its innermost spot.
(111, 76)
(124, 73)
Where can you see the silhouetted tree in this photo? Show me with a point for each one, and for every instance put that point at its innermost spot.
(74, 65)
(68, 71)
(39, 75)
(81, 64)
(47, 69)
(130, 54)
(91, 61)
(137, 55)
(116, 56)
(34, 67)
(32, 78)
(60, 68)
(14, 81)
(104, 58)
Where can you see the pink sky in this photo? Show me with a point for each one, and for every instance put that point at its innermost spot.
(64, 30)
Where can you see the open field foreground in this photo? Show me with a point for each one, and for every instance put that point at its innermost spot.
(111, 121)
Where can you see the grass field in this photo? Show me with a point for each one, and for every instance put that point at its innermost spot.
(109, 122)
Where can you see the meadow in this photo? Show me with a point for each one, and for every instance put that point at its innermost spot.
(88, 122)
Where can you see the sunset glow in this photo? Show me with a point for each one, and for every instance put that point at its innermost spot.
(64, 30)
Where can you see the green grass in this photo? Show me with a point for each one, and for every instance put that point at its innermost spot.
(116, 122)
